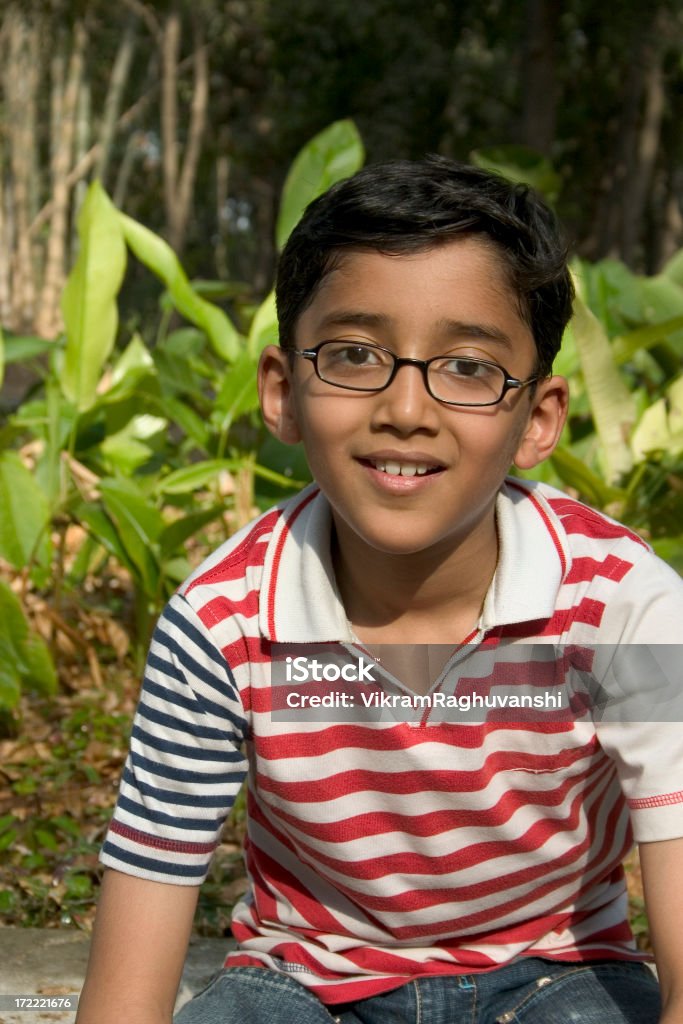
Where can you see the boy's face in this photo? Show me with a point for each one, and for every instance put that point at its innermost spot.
(450, 299)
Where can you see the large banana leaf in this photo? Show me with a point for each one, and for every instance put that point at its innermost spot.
(89, 297)
(612, 406)
(159, 257)
(335, 153)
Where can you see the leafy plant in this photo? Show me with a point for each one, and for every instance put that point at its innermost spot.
(143, 445)
(622, 448)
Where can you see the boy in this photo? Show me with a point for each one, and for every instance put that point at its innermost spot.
(430, 870)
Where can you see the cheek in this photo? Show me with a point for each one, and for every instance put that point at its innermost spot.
(321, 435)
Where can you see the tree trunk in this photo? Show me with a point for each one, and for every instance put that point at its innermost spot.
(222, 193)
(636, 141)
(198, 118)
(112, 105)
(539, 74)
(82, 143)
(85, 165)
(179, 178)
(48, 320)
(20, 81)
(169, 115)
(639, 179)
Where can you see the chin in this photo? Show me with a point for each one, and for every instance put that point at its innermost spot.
(398, 544)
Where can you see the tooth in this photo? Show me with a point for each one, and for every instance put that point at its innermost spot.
(393, 468)
(420, 470)
(408, 470)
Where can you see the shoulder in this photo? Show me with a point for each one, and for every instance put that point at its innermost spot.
(581, 530)
(608, 569)
(230, 593)
(242, 558)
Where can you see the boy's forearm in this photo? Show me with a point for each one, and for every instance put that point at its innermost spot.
(138, 951)
(95, 1008)
(662, 870)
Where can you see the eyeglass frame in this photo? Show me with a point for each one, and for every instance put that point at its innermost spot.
(509, 383)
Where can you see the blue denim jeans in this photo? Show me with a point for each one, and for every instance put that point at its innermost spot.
(528, 991)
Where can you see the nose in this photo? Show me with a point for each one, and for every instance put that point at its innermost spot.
(406, 406)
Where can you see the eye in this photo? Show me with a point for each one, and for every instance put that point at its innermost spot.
(351, 354)
(473, 369)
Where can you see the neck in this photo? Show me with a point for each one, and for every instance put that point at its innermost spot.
(433, 596)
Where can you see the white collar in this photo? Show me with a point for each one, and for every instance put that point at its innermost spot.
(300, 602)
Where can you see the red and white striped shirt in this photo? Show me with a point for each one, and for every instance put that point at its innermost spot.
(383, 850)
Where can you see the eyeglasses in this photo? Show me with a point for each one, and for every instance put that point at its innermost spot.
(454, 380)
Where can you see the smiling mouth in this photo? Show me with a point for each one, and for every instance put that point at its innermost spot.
(394, 468)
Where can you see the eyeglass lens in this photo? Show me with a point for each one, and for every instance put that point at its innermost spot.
(456, 379)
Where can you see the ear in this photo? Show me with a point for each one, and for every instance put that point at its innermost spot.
(544, 424)
(275, 389)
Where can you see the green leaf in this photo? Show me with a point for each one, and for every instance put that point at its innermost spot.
(2, 357)
(89, 297)
(40, 671)
(8, 901)
(612, 407)
(46, 839)
(287, 464)
(10, 682)
(334, 154)
(264, 327)
(133, 446)
(661, 426)
(626, 346)
(158, 256)
(522, 165)
(78, 887)
(175, 534)
(671, 550)
(7, 839)
(186, 418)
(186, 341)
(22, 348)
(264, 473)
(67, 825)
(24, 659)
(238, 394)
(612, 291)
(24, 514)
(138, 524)
(673, 269)
(195, 477)
(662, 298)
(134, 363)
(103, 530)
(575, 473)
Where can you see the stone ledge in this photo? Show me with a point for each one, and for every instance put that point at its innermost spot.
(52, 961)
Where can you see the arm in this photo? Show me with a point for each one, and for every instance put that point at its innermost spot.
(138, 951)
(662, 869)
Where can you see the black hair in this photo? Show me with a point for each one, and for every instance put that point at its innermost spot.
(406, 207)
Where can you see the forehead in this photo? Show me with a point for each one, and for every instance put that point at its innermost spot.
(428, 294)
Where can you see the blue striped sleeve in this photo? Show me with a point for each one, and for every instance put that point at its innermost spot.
(186, 763)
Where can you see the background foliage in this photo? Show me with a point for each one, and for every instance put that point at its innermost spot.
(129, 438)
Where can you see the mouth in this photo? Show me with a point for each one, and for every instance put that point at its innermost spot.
(394, 467)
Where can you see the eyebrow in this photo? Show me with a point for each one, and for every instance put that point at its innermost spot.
(355, 318)
(485, 332)
(449, 329)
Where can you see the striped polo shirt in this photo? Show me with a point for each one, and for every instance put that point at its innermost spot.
(379, 849)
